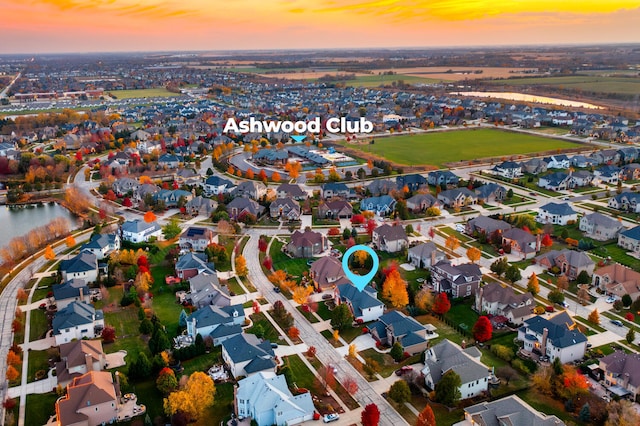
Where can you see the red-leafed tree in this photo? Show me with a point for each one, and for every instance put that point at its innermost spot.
(371, 225)
(256, 307)
(546, 241)
(426, 417)
(108, 334)
(127, 202)
(370, 415)
(482, 329)
(442, 304)
(357, 219)
(149, 217)
(392, 267)
(267, 263)
(351, 242)
(262, 245)
(110, 195)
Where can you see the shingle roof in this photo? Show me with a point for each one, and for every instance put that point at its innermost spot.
(559, 335)
(245, 347)
(70, 289)
(359, 300)
(75, 314)
(391, 233)
(82, 262)
(562, 209)
(510, 410)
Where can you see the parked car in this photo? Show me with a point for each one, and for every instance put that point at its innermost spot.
(610, 299)
(276, 289)
(333, 417)
(617, 322)
(401, 371)
(549, 309)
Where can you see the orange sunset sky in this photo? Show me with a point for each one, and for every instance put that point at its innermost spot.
(32, 26)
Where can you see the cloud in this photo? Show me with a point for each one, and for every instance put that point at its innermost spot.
(151, 10)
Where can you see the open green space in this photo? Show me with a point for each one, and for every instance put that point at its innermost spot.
(387, 364)
(41, 407)
(304, 377)
(375, 80)
(39, 325)
(38, 360)
(622, 85)
(426, 148)
(293, 266)
(159, 92)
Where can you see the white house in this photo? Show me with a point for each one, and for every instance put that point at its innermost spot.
(495, 299)
(139, 231)
(82, 266)
(216, 185)
(556, 214)
(245, 355)
(556, 337)
(219, 322)
(102, 245)
(70, 291)
(78, 320)
(389, 238)
(364, 305)
(266, 399)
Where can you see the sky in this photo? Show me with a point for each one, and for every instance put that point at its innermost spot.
(47, 26)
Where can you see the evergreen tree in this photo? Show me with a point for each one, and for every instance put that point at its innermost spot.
(447, 389)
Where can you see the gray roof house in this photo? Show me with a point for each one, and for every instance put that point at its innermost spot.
(78, 320)
(556, 337)
(219, 322)
(491, 192)
(196, 238)
(521, 242)
(485, 225)
(557, 181)
(240, 206)
(191, 264)
(335, 189)
(265, 398)
(510, 410)
(570, 262)
(364, 305)
(622, 373)
(205, 289)
(245, 355)
(457, 281)
(413, 182)
(138, 231)
(425, 255)
(600, 227)
(628, 201)
(457, 198)
(125, 185)
(395, 326)
(442, 178)
(290, 190)
(534, 166)
(70, 291)
(556, 214)
(285, 209)
(421, 202)
(496, 299)
(448, 356)
(508, 170)
(335, 209)
(381, 187)
(382, 205)
(307, 244)
(327, 272)
(216, 185)
(250, 189)
(200, 206)
(101, 245)
(390, 238)
(83, 266)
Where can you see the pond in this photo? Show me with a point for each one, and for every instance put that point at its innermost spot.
(16, 221)
(524, 97)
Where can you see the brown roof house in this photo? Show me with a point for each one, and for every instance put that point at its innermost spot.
(307, 244)
(285, 208)
(327, 272)
(617, 280)
(389, 238)
(79, 357)
(458, 281)
(622, 373)
(335, 209)
(495, 299)
(570, 262)
(521, 242)
(91, 400)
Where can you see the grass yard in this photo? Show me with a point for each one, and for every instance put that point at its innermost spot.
(159, 92)
(203, 362)
(38, 360)
(385, 80)
(293, 266)
(387, 364)
(304, 377)
(308, 315)
(462, 313)
(222, 405)
(39, 325)
(328, 334)
(40, 408)
(261, 325)
(323, 311)
(425, 149)
(618, 254)
(618, 85)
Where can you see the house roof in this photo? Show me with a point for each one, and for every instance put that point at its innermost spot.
(562, 209)
(400, 323)
(100, 241)
(328, 271)
(76, 352)
(599, 219)
(241, 203)
(488, 224)
(446, 356)
(359, 300)
(307, 238)
(75, 314)
(196, 232)
(216, 315)
(558, 326)
(378, 202)
(195, 261)
(510, 410)
(622, 280)
(70, 289)
(488, 189)
(137, 226)
(633, 233)
(83, 262)
(494, 292)
(218, 181)
(420, 198)
(247, 347)
(93, 388)
(424, 250)
(574, 258)
(292, 190)
(335, 187)
(391, 233)
(623, 364)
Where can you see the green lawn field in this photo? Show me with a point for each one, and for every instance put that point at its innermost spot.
(622, 85)
(439, 148)
(159, 92)
(375, 80)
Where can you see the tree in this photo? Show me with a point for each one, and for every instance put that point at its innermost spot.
(12, 373)
(400, 392)
(166, 381)
(447, 389)
(626, 300)
(532, 285)
(294, 333)
(423, 300)
(371, 367)
(49, 254)
(70, 241)
(241, 266)
(562, 283)
(585, 413)
(499, 266)
(441, 305)
(301, 293)
(108, 334)
(507, 373)
(555, 296)
(474, 254)
(622, 413)
(13, 358)
(171, 229)
(482, 329)
(353, 350)
(394, 289)
(196, 396)
(360, 257)
(146, 327)
(583, 294)
(583, 278)
(512, 274)
(350, 385)
(341, 317)
(396, 352)
(370, 415)
(426, 417)
(371, 226)
(275, 176)
(546, 241)
(281, 316)
(149, 217)
(594, 317)
(631, 335)
(263, 244)
(452, 243)
(571, 384)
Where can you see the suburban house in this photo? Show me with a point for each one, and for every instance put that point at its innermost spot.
(486, 225)
(335, 189)
(581, 178)
(290, 190)
(457, 198)
(556, 337)
(631, 171)
(507, 170)
(607, 174)
(364, 305)
(205, 289)
(457, 281)
(76, 321)
(421, 202)
(123, 186)
(395, 327)
(380, 187)
(558, 162)
(74, 290)
(139, 231)
(382, 205)
(101, 245)
(240, 206)
(173, 197)
(521, 242)
(413, 182)
(196, 238)
(534, 166)
(266, 399)
(510, 410)
(169, 161)
(622, 374)
(581, 161)
(91, 400)
(219, 322)
(191, 264)
(335, 209)
(570, 262)
(307, 244)
(629, 239)
(327, 272)
(200, 206)
(250, 189)
(389, 238)
(498, 300)
(449, 356)
(491, 192)
(425, 255)
(556, 214)
(600, 227)
(245, 355)
(442, 178)
(215, 185)
(617, 280)
(79, 357)
(557, 181)
(285, 209)
(627, 201)
(82, 266)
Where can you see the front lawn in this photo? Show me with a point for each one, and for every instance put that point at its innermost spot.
(303, 377)
(263, 328)
(387, 364)
(39, 325)
(292, 266)
(328, 334)
(40, 408)
(38, 360)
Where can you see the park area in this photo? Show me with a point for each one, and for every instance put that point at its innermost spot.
(463, 145)
(159, 92)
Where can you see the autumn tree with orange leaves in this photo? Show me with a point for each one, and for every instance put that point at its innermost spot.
(149, 217)
(275, 176)
(473, 254)
(394, 289)
(49, 254)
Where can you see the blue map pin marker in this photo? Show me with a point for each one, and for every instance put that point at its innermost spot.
(299, 138)
(360, 281)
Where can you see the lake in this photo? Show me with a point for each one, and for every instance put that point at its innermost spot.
(17, 221)
(513, 96)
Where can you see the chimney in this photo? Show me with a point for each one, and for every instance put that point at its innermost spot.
(433, 256)
(117, 386)
(88, 362)
(479, 299)
(545, 333)
(625, 382)
(80, 290)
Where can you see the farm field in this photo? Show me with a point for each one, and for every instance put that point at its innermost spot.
(622, 85)
(426, 148)
(159, 92)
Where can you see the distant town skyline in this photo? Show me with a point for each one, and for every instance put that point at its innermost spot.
(51, 26)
